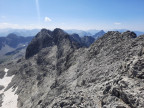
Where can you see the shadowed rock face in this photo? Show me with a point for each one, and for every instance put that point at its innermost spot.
(85, 41)
(61, 74)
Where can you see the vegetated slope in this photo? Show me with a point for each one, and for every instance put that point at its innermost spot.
(59, 73)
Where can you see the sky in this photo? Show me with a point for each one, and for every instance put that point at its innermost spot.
(72, 14)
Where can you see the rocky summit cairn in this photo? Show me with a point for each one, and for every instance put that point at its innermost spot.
(59, 72)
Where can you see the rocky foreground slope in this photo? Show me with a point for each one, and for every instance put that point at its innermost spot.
(59, 73)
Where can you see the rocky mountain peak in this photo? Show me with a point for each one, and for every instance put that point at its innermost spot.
(112, 32)
(45, 31)
(59, 32)
(111, 43)
(47, 38)
(42, 39)
(124, 35)
(129, 34)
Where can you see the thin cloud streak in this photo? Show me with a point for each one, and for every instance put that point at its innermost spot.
(117, 23)
(38, 10)
(5, 25)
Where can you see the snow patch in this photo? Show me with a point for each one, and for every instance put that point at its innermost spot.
(6, 70)
(6, 80)
(9, 97)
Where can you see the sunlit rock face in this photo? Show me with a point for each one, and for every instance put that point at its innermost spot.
(58, 72)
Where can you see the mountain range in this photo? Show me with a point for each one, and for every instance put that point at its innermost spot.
(98, 34)
(81, 33)
(92, 32)
(13, 46)
(59, 71)
(19, 32)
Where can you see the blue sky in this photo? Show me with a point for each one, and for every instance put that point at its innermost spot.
(72, 14)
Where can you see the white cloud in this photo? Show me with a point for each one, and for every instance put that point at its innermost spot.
(8, 25)
(17, 26)
(47, 19)
(117, 23)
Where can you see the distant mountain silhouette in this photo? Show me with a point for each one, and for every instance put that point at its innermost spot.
(98, 34)
(83, 41)
(81, 33)
(19, 32)
(12, 45)
(12, 40)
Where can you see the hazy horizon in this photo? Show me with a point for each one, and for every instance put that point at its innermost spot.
(75, 14)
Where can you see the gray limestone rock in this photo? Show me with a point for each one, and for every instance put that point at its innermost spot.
(58, 73)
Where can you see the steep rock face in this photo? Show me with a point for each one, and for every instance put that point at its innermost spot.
(46, 38)
(42, 40)
(76, 38)
(87, 40)
(108, 74)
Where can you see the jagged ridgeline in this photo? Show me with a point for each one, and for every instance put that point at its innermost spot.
(62, 71)
(59, 38)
